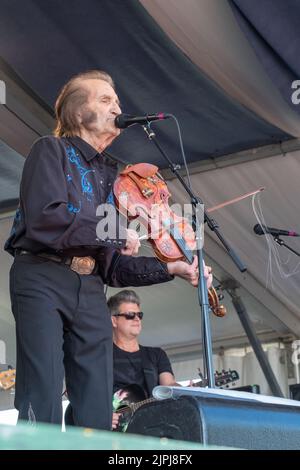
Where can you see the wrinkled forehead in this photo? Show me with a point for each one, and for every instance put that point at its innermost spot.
(97, 88)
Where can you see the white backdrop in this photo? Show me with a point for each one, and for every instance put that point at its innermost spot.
(247, 366)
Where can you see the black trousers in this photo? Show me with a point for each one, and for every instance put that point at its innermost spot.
(63, 327)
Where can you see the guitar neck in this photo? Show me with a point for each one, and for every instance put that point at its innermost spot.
(134, 406)
(221, 379)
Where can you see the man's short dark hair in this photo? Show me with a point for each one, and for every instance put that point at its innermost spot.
(128, 296)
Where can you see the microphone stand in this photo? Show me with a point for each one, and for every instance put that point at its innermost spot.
(282, 243)
(198, 206)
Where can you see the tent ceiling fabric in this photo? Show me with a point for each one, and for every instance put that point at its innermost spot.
(208, 33)
(47, 42)
(275, 42)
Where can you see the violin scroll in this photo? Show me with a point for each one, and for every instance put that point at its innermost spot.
(217, 309)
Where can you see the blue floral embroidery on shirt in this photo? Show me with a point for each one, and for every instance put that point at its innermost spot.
(86, 186)
(69, 177)
(72, 208)
(110, 198)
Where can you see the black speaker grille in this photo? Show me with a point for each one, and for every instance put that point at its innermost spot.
(221, 421)
(174, 419)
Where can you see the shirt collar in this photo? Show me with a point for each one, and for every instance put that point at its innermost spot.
(85, 149)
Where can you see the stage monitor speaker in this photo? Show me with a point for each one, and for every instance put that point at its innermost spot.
(230, 422)
(295, 391)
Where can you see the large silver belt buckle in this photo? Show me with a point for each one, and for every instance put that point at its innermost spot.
(83, 265)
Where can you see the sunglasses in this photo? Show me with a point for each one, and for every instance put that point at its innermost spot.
(130, 315)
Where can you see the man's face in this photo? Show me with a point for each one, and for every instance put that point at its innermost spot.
(129, 328)
(98, 114)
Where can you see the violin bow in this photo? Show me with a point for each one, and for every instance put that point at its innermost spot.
(224, 204)
(232, 201)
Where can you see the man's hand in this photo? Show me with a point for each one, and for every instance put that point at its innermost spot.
(132, 243)
(115, 420)
(190, 272)
(208, 275)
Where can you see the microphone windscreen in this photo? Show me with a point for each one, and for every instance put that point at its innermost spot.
(258, 229)
(121, 121)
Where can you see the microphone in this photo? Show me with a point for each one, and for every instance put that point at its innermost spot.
(262, 230)
(125, 120)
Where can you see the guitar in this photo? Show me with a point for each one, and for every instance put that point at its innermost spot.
(7, 379)
(222, 379)
(128, 399)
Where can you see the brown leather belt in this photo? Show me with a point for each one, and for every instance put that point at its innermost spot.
(83, 265)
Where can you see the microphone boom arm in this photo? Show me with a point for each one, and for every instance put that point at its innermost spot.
(282, 243)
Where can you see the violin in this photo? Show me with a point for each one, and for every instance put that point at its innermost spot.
(141, 192)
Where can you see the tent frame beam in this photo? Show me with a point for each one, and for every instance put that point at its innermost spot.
(242, 313)
(238, 158)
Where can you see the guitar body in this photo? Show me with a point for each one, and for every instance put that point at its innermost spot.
(125, 401)
(7, 379)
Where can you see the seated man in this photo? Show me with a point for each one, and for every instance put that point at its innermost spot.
(135, 364)
(137, 369)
